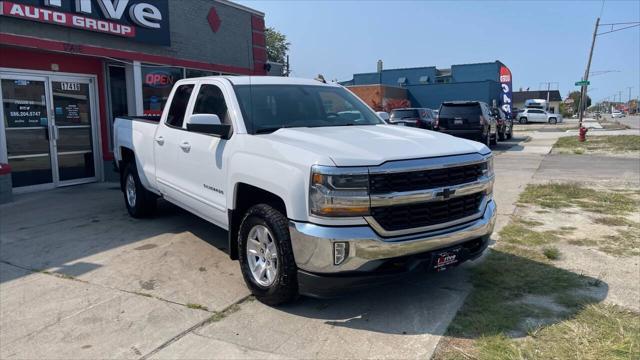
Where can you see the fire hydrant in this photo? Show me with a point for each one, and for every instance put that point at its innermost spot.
(582, 134)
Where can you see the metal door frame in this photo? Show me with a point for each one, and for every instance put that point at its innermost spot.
(48, 77)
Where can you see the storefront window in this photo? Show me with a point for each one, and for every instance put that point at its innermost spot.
(156, 87)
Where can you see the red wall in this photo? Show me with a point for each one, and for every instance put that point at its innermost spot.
(40, 60)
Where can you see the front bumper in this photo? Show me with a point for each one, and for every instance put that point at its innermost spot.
(313, 244)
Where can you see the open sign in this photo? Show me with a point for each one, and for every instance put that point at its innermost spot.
(158, 79)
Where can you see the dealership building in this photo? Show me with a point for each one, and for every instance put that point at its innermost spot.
(429, 86)
(68, 68)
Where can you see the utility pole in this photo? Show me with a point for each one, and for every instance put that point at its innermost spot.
(583, 88)
(629, 103)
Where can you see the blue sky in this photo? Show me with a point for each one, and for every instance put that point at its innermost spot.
(539, 41)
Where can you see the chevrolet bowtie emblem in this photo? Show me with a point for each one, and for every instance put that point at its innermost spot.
(446, 193)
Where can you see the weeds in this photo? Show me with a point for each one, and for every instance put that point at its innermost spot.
(551, 253)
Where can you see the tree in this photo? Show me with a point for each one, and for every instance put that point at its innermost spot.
(277, 45)
(575, 96)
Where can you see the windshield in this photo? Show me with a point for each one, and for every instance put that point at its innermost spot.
(461, 110)
(267, 108)
(404, 114)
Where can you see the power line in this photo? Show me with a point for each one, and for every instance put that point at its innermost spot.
(614, 30)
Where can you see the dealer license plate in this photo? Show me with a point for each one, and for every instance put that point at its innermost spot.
(446, 259)
(458, 122)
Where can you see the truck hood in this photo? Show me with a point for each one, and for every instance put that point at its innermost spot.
(375, 144)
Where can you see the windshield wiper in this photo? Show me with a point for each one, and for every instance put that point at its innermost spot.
(268, 130)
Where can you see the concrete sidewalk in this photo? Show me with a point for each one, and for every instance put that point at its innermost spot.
(79, 278)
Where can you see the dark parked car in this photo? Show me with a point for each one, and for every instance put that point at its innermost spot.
(505, 124)
(468, 119)
(416, 117)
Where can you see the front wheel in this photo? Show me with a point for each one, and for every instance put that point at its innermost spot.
(139, 201)
(502, 135)
(523, 120)
(266, 257)
(553, 121)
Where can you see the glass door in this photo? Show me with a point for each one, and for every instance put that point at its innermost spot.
(27, 129)
(73, 125)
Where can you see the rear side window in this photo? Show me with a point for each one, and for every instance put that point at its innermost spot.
(461, 110)
(404, 114)
(178, 107)
(210, 100)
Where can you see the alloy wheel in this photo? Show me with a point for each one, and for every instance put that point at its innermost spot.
(262, 255)
(131, 191)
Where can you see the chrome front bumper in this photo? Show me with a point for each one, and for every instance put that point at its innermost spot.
(313, 244)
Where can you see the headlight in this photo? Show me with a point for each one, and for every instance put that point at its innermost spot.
(338, 192)
(487, 169)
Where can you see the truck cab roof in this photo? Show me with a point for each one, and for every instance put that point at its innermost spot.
(266, 80)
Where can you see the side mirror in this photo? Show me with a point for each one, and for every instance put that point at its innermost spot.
(209, 124)
(383, 115)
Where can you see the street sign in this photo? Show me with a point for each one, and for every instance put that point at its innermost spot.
(583, 83)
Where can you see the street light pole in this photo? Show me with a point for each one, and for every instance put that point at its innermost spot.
(629, 103)
(583, 89)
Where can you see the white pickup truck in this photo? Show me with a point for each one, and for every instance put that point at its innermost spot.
(318, 194)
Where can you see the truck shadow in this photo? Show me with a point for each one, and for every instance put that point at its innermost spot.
(426, 303)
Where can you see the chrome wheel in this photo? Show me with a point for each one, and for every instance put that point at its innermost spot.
(131, 191)
(262, 255)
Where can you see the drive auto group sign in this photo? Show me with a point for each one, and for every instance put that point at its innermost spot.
(140, 20)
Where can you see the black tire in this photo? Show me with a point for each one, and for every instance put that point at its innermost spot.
(553, 121)
(523, 120)
(144, 202)
(285, 286)
(502, 135)
(510, 132)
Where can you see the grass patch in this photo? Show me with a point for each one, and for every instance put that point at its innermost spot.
(597, 332)
(529, 222)
(499, 282)
(197, 307)
(516, 233)
(551, 253)
(558, 196)
(614, 221)
(606, 143)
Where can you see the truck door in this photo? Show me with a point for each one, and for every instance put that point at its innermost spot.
(204, 159)
(167, 141)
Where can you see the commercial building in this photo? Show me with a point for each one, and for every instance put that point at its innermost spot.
(68, 68)
(552, 97)
(429, 86)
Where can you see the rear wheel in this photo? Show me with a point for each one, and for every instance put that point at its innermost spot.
(523, 120)
(502, 135)
(139, 201)
(266, 256)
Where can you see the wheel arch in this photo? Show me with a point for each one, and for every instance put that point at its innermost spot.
(245, 196)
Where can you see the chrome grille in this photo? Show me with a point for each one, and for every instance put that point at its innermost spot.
(424, 179)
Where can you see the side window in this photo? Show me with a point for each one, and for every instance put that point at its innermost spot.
(210, 100)
(178, 107)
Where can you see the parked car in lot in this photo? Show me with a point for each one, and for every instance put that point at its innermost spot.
(468, 119)
(314, 202)
(537, 115)
(505, 124)
(617, 114)
(417, 117)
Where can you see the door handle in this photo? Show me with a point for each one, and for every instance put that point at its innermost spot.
(160, 140)
(185, 146)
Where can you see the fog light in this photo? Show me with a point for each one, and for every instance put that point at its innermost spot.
(340, 252)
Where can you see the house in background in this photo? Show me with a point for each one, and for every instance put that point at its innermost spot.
(520, 97)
